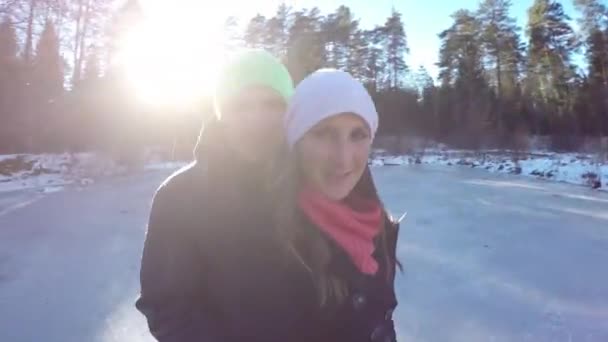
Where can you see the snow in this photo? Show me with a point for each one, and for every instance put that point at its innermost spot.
(580, 169)
(86, 181)
(26, 171)
(165, 165)
(51, 172)
(40, 182)
(34, 172)
(7, 156)
(486, 257)
(394, 161)
(52, 189)
(376, 162)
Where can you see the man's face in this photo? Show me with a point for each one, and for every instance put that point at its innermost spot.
(253, 121)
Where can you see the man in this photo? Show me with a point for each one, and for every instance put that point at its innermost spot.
(199, 234)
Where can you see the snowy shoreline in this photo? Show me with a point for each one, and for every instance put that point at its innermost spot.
(573, 168)
(52, 172)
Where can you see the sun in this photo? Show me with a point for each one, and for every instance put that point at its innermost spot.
(172, 57)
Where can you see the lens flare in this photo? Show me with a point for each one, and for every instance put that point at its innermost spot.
(173, 58)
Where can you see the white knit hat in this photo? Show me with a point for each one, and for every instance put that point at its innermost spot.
(325, 93)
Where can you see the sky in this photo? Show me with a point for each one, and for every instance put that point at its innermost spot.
(423, 20)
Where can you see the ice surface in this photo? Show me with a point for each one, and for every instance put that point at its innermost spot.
(486, 257)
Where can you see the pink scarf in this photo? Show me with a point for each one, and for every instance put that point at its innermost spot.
(352, 224)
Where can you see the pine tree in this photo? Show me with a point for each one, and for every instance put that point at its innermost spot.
(597, 56)
(358, 50)
(88, 18)
(550, 71)
(305, 46)
(46, 88)
(460, 54)
(503, 59)
(594, 15)
(345, 43)
(29, 34)
(466, 103)
(375, 68)
(8, 42)
(87, 106)
(10, 87)
(48, 65)
(426, 99)
(424, 81)
(255, 33)
(339, 29)
(277, 31)
(501, 43)
(594, 24)
(330, 40)
(396, 48)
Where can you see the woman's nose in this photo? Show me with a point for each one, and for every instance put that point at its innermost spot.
(341, 152)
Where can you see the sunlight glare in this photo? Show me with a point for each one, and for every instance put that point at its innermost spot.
(173, 56)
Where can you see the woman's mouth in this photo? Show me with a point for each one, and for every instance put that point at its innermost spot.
(338, 177)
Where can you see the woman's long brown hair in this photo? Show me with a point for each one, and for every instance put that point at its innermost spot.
(308, 245)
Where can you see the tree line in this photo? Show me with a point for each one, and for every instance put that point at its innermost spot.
(497, 82)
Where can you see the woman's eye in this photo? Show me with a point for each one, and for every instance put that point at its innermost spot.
(359, 134)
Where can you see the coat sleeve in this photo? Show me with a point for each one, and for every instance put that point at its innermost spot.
(172, 279)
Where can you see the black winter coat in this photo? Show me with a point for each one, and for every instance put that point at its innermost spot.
(212, 271)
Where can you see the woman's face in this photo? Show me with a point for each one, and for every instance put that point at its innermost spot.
(253, 119)
(333, 154)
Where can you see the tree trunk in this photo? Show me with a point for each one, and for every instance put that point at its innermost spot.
(29, 40)
(498, 74)
(83, 36)
(76, 74)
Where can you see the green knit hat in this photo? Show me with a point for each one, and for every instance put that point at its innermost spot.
(252, 67)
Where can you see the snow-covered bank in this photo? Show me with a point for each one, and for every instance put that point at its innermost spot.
(51, 172)
(159, 165)
(580, 169)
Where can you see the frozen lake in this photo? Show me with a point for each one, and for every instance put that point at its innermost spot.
(486, 258)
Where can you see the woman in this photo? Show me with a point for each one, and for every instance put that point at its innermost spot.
(328, 213)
